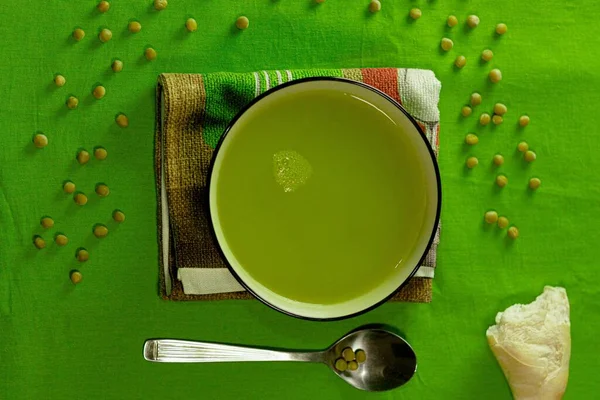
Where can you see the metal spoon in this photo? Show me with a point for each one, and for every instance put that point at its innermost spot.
(390, 362)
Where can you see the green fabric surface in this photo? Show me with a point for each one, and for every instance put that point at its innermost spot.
(59, 341)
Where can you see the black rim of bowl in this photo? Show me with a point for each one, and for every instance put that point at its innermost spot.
(423, 137)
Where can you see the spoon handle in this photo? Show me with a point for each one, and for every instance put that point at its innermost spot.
(184, 351)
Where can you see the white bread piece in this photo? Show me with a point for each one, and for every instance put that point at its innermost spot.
(532, 344)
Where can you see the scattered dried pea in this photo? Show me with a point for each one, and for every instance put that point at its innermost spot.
(484, 119)
(475, 99)
(102, 190)
(446, 44)
(513, 232)
(471, 139)
(68, 187)
(415, 13)
(83, 157)
(522, 147)
(472, 21)
(160, 4)
(501, 28)
(491, 217)
(191, 25)
(117, 65)
(472, 162)
(40, 140)
(150, 54)
(46, 222)
(100, 153)
(82, 255)
(502, 222)
(100, 231)
(374, 6)
(361, 356)
(452, 21)
(501, 180)
(500, 109)
(105, 35)
(72, 102)
(78, 34)
(134, 26)
(118, 216)
(497, 119)
(352, 365)
(61, 239)
(529, 156)
(242, 22)
(80, 199)
(39, 242)
(460, 61)
(498, 159)
(495, 75)
(59, 80)
(341, 364)
(534, 183)
(466, 111)
(348, 354)
(487, 55)
(122, 120)
(103, 6)
(524, 120)
(99, 92)
(76, 277)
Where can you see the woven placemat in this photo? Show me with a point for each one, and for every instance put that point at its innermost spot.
(192, 112)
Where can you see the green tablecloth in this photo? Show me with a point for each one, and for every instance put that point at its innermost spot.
(57, 340)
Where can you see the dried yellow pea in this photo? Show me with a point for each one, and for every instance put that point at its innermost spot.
(82, 255)
(374, 6)
(122, 120)
(118, 216)
(102, 190)
(460, 61)
(39, 242)
(529, 156)
(46, 222)
(78, 34)
(103, 6)
(134, 26)
(497, 119)
(487, 55)
(352, 365)
(524, 120)
(361, 356)
(59, 80)
(117, 65)
(40, 140)
(69, 187)
(446, 44)
(150, 54)
(99, 92)
(191, 25)
(513, 232)
(160, 4)
(105, 35)
(341, 365)
(501, 181)
(495, 75)
(452, 21)
(472, 162)
(522, 147)
(475, 99)
(415, 13)
(501, 28)
(534, 183)
(491, 217)
(80, 199)
(242, 23)
(472, 21)
(100, 153)
(61, 239)
(72, 102)
(348, 354)
(502, 222)
(485, 119)
(471, 139)
(100, 231)
(76, 277)
(498, 159)
(83, 157)
(500, 109)
(466, 111)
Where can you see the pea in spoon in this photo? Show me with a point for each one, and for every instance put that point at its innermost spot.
(390, 361)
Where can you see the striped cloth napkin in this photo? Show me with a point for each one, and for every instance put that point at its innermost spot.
(192, 112)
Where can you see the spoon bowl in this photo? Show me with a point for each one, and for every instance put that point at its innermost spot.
(390, 361)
